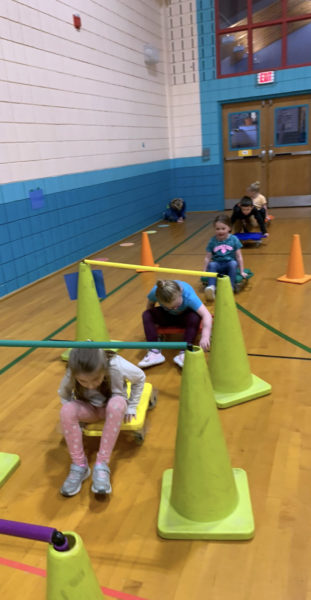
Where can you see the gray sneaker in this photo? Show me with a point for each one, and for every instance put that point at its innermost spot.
(72, 485)
(101, 479)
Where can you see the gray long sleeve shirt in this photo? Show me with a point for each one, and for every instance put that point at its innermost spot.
(121, 371)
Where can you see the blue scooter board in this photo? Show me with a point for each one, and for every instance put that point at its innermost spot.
(250, 238)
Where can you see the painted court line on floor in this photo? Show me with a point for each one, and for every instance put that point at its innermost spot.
(241, 308)
(42, 573)
(51, 335)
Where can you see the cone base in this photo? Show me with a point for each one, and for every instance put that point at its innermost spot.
(303, 279)
(239, 525)
(258, 388)
(8, 464)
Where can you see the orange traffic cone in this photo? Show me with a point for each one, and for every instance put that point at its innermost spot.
(295, 269)
(146, 252)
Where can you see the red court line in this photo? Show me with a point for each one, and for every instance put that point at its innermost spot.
(22, 567)
(42, 573)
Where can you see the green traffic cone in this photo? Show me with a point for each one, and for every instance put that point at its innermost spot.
(232, 380)
(8, 464)
(70, 573)
(202, 497)
(90, 323)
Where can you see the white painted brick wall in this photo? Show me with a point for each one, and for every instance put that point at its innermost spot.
(183, 79)
(73, 101)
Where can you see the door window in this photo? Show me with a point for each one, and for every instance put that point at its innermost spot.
(244, 130)
(291, 126)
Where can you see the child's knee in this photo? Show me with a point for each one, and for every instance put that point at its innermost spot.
(68, 412)
(116, 405)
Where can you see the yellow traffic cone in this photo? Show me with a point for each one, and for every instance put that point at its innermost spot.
(295, 270)
(90, 323)
(146, 258)
(202, 497)
(232, 380)
(70, 573)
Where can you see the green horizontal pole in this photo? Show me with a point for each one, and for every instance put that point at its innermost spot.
(104, 345)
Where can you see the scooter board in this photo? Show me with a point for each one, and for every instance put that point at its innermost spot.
(250, 238)
(147, 401)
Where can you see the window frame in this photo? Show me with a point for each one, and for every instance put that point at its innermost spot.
(250, 26)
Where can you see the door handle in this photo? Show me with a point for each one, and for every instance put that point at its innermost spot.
(270, 153)
(263, 153)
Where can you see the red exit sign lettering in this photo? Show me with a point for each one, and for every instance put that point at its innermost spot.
(265, 77)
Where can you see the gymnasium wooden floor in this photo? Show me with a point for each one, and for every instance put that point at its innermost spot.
(269, 437)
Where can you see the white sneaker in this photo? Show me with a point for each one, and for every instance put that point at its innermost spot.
(151, 359)
(179, 359)
(210, 292)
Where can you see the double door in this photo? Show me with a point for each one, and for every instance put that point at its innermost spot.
(268, 141)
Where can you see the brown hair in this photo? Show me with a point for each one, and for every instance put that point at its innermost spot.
(177, 203)
(246, 201)
(88, 360)
(225, 219)
(167, 290)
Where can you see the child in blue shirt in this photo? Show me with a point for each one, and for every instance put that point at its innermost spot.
(223, 255)
(179, 306)
(175, 211)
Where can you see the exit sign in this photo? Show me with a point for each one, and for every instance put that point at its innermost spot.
(265, 77)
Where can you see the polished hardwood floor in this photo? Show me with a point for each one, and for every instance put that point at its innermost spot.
(269, 437)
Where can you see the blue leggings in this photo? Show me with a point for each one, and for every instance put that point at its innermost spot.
(224, 268)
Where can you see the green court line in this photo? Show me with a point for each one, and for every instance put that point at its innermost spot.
(186, 240)
(19, 358)
(273, 330)
(259, 321)
(279, 356)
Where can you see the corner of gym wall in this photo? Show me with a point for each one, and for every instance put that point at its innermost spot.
(84, 151)
(195, 178)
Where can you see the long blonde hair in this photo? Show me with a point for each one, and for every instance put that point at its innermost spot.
(167, 290)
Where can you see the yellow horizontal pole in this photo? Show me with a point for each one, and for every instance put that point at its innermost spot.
(104, 263)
